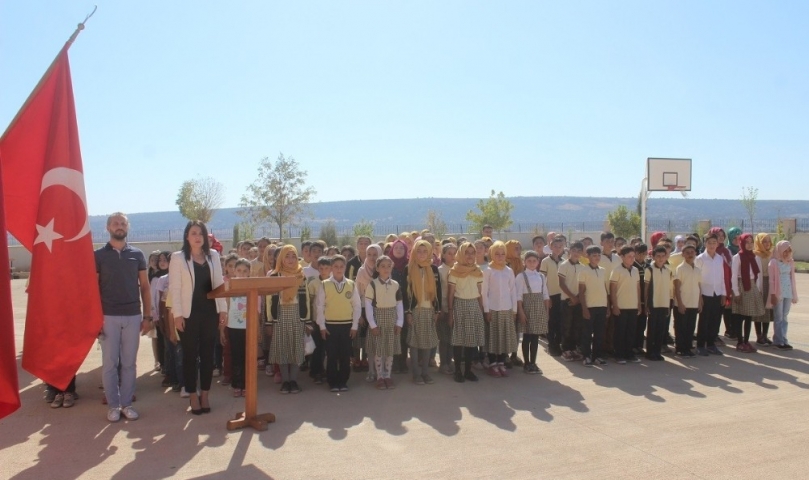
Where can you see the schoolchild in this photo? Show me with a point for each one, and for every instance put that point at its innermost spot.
(499, 309)
(423, 304)
(658, 280)
(465, 311)
(625, 303)
(550, 268)
(783, 292)
(316, 368)
(746, 284)
(338, 313)
(443, 327)
(385, 314)
(594, 298)
(568, 274)
(533, 302)
(688, 301)
(289, 311)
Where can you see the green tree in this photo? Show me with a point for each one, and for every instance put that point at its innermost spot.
(199, 198)
(749, 197)
(363, 228)
(624, 223)
(279, 196)
(436, 224)
(328, 233)
(495, 211)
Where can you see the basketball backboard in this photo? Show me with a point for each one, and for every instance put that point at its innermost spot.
(668, 174)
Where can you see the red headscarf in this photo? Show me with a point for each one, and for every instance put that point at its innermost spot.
(748, 259)
(398, 263)
(655, 238)
(722, 249)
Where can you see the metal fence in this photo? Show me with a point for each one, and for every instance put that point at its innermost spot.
(345, 231)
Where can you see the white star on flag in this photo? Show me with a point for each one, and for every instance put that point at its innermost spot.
(47, 235)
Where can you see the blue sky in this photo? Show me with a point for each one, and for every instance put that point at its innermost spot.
(423, 98)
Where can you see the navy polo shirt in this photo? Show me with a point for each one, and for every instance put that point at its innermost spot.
(118, 279)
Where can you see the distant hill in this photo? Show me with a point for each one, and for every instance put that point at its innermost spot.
(542, 213)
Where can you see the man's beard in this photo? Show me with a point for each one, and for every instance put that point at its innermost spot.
(118, 236)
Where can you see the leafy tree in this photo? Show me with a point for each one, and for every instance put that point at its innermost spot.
(624, 223)
(436, 224)
(279, 196)
(364, 227)
(749, 197)
(199, 198)
(328, 233)
(494, 211)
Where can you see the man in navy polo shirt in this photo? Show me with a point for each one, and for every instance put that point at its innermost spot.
(124, 286)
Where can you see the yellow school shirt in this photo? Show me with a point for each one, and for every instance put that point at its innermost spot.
(689, 278)
(662, 277)
(550, 268)
(467, 287)
(338, 303)
(569, 273)
(596, 285)
(626, 281)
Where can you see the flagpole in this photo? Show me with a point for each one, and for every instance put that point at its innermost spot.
(69, 42)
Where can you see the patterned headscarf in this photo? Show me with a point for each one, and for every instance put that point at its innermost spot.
(288, 294)
(416, 270)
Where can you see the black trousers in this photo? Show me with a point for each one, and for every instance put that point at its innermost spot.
(338, 351)
(658, 327)
(624, 333)
(198, 341)
(684, 324)
(640, 329)
(555, 323)
(572, 325)
(237, 356)
(709, 321)
(316, 359)
(466, 355)
(592, 333)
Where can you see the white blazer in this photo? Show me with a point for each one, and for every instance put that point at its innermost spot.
(181, 283)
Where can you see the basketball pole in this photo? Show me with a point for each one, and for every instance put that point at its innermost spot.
(644, 195)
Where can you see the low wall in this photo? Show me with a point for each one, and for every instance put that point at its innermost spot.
(21, 258)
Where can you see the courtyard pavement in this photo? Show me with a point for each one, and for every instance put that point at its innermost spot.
(736, 416)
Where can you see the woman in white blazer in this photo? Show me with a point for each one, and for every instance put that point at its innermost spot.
(193, 272)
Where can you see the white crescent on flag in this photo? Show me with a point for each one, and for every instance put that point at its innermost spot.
(73, 180)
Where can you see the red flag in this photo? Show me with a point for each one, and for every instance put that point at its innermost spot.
(9, 388)
(46, 210)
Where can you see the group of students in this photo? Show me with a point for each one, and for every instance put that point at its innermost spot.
(468, 302)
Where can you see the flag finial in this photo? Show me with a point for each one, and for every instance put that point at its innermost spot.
(80, 26)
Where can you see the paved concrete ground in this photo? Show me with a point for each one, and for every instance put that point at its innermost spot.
(741, 415)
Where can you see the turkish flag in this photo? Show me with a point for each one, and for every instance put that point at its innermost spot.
(46, 210)
(9, 388)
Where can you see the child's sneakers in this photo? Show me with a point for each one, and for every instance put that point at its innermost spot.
(380, 384)
(494, 371)
(587, 362)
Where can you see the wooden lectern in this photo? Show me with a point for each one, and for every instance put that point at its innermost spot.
(252, 288)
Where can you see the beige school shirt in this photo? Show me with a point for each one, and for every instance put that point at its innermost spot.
(626, 281)
(597, 284)
(609, 262)
(467, 287)
(550, 268)
(663, 278)
(569, 273)
(690, 278)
